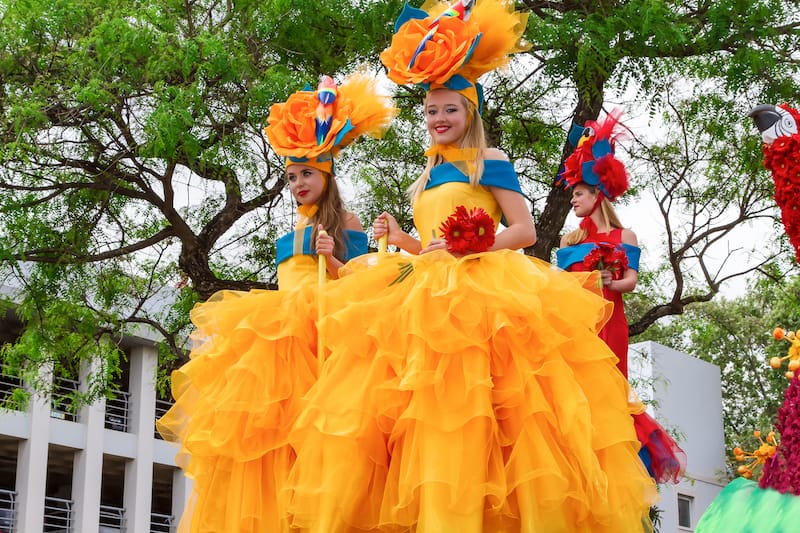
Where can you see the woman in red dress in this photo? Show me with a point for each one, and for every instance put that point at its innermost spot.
(601, 226)
(597, 178)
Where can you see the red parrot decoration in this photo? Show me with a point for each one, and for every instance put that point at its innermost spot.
(772, 503)
(779, 127)
(593, 161)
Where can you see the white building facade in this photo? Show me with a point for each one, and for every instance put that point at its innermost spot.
(101, 469)
(685, 395)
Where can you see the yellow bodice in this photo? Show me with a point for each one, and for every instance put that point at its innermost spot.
(296, 271)
(434, 205)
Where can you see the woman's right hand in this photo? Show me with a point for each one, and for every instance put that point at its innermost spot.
(325, 243)
(386, 224)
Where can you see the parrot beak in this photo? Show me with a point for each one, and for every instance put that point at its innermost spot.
(773, 122)
(587, 134)
(764, 116)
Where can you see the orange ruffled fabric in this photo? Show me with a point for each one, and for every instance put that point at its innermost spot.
(494, 22)
(291, 130)
(235, 403)
(474, 395)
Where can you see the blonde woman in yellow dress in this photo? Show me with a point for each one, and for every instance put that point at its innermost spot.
(239, 395)
(467, 389)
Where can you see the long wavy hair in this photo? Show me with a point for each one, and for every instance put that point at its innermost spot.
(606, 210)
(332, 215)
(474, 137)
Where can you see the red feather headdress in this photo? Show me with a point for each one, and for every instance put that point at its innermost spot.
(593, 162)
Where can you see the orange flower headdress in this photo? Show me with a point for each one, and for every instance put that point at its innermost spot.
(449, 46)
(312, 126)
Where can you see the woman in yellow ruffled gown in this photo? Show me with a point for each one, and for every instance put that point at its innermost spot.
(465, 392)
(239, 395)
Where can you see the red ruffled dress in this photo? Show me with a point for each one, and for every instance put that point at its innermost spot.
(615, 331)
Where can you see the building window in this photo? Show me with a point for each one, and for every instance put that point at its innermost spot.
(685, 510)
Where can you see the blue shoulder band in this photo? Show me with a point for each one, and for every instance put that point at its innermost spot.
(569, 255)
(408, 13)
(633, 253)
(356, 241)
(357, 244)
(496, 173)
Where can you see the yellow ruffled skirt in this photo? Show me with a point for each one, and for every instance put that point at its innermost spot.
(236, 401)
(466, 395)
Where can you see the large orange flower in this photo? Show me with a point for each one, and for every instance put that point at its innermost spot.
(291, 129)
(358, 109)
(468, 48)
(442, 56)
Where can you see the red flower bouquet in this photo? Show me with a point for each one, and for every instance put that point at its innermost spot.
(609, 257)
(468, 232)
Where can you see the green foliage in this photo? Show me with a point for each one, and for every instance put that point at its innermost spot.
(133, 160)
(136, 179)
(383, 174)
(735, 335)
(521, 118)
(655, 517)
(64, 334)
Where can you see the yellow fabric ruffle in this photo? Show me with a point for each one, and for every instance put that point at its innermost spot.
(236, 401)
(474, 395)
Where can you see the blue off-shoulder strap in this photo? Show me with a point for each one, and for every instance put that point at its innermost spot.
(633, 253)
(496, 173)
(568, 256)
(285, 245)
(357, 244)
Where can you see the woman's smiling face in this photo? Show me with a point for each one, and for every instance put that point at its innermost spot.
(445, 116)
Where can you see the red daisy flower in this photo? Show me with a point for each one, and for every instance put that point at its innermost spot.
(468, 231)
(484, 230)
(454, 231)
(606, 256)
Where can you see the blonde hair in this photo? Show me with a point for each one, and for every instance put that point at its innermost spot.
(610, 219)
(474, 137)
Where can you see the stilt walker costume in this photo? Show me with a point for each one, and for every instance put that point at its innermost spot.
(466, 391)
(593, 163)
(771, 501)
(255, 352)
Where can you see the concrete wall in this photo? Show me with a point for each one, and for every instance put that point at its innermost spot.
(687, 397)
